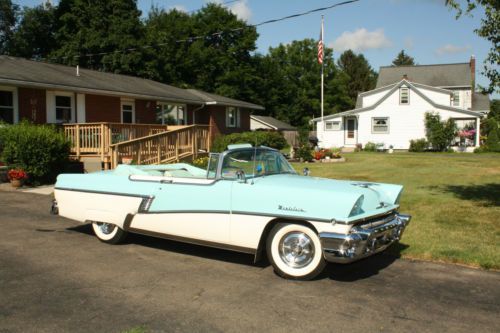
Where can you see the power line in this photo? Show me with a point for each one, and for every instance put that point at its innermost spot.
(217, 34)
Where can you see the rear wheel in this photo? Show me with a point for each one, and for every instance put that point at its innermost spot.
(108, 233)
(295, 252)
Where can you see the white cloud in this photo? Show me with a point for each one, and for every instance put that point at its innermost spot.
(238, 8)
(179, 8)
(452, 49)
(241, 10)
(361, 40)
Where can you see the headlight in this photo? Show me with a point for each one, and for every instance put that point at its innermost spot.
(356, 209)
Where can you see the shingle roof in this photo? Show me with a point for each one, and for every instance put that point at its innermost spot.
(22, 72)
(273, 122)
(445, 75)
(480, 102)
(390, 90)
(221, 100)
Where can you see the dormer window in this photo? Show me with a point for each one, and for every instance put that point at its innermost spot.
(404, 95)
(456, 98)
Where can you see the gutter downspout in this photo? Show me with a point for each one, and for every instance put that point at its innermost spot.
(197, 109)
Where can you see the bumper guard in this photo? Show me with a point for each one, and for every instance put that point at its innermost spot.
(362, 241)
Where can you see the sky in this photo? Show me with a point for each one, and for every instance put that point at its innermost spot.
(379, 29)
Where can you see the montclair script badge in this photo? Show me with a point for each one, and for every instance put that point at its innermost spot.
(291, 209)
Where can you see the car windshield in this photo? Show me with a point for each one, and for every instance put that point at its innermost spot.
(255, 163)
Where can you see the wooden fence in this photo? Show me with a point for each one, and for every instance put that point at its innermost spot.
(95, 139)
(164, 147)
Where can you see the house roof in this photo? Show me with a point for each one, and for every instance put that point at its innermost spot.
(480, 102)
(28, 73)
(215, 99)
(273, 123)
(391, 89)
(443, 75)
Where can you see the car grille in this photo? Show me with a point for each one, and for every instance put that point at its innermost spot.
(376, 221)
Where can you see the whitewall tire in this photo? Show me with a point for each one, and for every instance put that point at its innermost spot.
(108, 233)
(295, 251)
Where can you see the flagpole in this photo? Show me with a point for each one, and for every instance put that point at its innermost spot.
(322, 66)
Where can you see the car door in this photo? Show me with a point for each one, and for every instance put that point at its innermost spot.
(193, 208)
(198, 211)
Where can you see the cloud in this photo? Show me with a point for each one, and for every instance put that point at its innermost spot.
(179, 8)
(241, 10)
(238, 8)
(452, 49)
(361, 40)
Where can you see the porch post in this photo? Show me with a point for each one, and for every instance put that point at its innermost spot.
(478, 132)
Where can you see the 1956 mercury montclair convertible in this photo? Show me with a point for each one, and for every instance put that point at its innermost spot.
(249, 199)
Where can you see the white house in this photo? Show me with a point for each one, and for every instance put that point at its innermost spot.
(393, 113)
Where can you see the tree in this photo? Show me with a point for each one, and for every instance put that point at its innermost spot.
(97, 26)
(34, 37)
(8, 18)
(403, 59)
(219, 61)
(359, 76)
(291, 83)
(490, 30)
(439, 133)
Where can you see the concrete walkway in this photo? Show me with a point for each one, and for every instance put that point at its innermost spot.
(44, 190)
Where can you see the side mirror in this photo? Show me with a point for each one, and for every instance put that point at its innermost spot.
(306, 172)
(240, 176)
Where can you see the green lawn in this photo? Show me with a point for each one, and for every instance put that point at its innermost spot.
(454, 200)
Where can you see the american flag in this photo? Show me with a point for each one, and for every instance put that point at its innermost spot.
(320, 46)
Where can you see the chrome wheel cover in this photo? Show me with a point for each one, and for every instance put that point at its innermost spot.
(296, 249)
(106, 228)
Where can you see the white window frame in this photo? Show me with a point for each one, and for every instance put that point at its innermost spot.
(129, 102)
(374, 119)
(13, 90)
(236, 117)
(336, 125)
(401, 96)
(162, 105)
(51, 105)
(455, 101)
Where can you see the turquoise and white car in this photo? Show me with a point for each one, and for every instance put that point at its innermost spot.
(249, 199)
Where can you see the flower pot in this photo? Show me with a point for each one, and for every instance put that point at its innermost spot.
(127, 160)
(391, 151)
(15, 183)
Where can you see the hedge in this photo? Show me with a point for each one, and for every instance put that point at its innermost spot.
(40, 150)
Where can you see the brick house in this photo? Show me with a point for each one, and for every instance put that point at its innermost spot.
(50, 93)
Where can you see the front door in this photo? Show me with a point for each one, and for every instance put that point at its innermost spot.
(351, 131)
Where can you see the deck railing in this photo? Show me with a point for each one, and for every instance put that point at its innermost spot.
(165, 147)
(96, 138)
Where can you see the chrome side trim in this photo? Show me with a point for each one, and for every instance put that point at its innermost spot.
(194, 241)
(362, 241)
(102, 192)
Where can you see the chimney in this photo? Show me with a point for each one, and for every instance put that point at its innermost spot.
(473, 72)
(77, 70)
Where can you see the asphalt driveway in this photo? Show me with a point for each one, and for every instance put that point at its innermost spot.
(55, 276)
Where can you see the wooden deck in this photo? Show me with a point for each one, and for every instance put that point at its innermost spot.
(144, 143)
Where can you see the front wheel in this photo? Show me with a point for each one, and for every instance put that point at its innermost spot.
(295, 252)
(108, 233)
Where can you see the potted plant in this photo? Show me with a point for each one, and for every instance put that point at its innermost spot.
(127, 159)
(16, 177)
(391, 149)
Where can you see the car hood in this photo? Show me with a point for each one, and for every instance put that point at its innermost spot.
(322, 198)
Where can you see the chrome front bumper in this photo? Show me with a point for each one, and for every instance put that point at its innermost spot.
(363, 240)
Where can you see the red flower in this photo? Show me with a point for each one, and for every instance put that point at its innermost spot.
(17, 174)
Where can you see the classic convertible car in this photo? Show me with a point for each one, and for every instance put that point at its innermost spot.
(249, 199)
